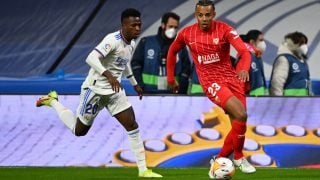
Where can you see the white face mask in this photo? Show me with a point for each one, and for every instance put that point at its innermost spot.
(170, 33)
(262, 46)
(303, 49)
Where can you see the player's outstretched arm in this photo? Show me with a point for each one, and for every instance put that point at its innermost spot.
(244, 62)
(243, 53)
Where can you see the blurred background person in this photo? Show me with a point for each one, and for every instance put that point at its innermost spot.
(290, 74)
(150, 59)
(255, 43)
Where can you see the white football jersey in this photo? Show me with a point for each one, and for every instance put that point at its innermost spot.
(117, 53)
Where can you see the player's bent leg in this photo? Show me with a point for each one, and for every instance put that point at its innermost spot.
(236, 109)
(89, 107)
(65, 114)
(227, 147)
(127, 119)
(81, 129)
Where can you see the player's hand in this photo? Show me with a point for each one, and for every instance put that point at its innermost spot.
(243, 76)
(174, 87)
(116, 86)
(139, 90)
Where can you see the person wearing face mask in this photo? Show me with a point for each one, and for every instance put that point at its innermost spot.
(290, 75)
(254, 41)
(150, 57)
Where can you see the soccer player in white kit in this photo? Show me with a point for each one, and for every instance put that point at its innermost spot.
(102, 88)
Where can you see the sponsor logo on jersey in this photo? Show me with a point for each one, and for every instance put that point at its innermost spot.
(207, 59)
(121, 62)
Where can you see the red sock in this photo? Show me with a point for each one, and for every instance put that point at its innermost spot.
(227, 147)
(238, 133)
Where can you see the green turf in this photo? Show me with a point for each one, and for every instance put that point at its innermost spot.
(69, 173)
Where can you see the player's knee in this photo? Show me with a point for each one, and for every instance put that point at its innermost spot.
(242, 116)
(80, 128)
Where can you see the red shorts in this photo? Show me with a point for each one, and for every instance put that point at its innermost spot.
(219, 93)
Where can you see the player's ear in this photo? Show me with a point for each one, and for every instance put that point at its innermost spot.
(195, 12)
(214, 14)
(163, 26)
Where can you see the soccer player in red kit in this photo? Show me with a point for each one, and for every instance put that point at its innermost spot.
(209, 43)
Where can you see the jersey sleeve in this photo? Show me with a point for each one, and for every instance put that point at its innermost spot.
(243, 52)
(175, 47)
(128, 73)
(106, 46)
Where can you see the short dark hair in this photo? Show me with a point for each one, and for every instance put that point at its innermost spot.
(297, 37)
(205, 3)
(168, 15)
(253, 34)
(130, 12)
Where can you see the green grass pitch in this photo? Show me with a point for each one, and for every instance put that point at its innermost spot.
(78, 173)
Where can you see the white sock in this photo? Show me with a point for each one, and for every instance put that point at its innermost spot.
(65, 115)
(137, 148)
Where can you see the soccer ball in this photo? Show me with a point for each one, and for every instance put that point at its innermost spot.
(221, 168)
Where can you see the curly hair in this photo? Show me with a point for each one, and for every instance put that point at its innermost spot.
(130, 12)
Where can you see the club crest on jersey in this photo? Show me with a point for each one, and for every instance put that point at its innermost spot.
(216, 41)
(209, 58)
(107, 47)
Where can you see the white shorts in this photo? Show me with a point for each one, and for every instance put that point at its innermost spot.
(91, 104)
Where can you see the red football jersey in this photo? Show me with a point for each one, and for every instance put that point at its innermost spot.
(210, 51)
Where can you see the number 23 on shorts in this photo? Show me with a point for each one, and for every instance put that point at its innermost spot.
(214, 88)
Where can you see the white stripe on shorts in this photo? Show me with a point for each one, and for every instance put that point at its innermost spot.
(88, 91)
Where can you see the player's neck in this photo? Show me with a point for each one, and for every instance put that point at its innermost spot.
(126, 40)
